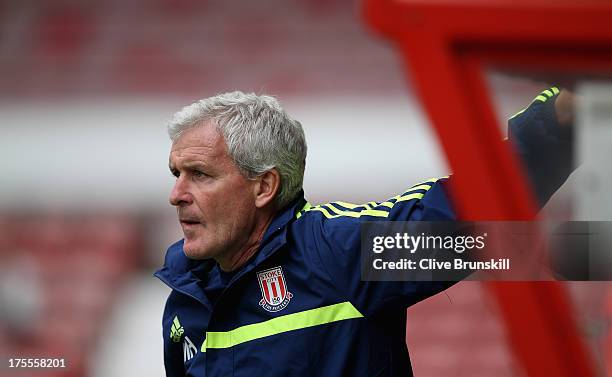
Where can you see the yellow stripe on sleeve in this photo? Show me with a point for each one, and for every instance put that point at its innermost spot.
(344, 209)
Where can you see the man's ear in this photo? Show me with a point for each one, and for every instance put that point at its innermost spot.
(267, 188)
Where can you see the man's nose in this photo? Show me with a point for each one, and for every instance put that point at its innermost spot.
(180, 195)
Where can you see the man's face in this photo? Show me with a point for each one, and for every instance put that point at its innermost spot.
(214, 201)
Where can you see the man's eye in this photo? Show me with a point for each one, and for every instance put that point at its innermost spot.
(199, 174)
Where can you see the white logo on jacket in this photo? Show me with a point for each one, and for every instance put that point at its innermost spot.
(189, 350)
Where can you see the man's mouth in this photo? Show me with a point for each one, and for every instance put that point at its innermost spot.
(189, 222)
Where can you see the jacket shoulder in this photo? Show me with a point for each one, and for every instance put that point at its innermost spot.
(432, 195)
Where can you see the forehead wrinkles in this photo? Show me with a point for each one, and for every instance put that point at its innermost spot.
(194, 152)
(186, 154)
(199, 142)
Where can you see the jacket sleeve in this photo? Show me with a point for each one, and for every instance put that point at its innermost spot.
(544, 147)
(546, 153)
(173, 357)
(332, 233)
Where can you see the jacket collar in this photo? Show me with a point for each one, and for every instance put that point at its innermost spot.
(181, 273)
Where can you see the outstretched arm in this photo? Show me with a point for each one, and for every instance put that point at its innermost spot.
(542, 135)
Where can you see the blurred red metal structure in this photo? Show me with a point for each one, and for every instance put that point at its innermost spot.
(445, 44)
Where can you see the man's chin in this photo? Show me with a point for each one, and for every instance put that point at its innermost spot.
(194, 251)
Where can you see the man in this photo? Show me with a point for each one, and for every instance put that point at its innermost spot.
(264, 283)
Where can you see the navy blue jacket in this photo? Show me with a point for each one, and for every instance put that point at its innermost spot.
(299, 306)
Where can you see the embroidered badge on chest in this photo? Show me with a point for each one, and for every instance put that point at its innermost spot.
(275, 295)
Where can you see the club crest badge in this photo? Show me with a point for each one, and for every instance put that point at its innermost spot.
(275, 295)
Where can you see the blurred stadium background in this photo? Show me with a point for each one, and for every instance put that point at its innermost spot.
(85, 90)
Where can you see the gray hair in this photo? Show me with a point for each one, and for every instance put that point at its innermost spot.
(258, 133)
